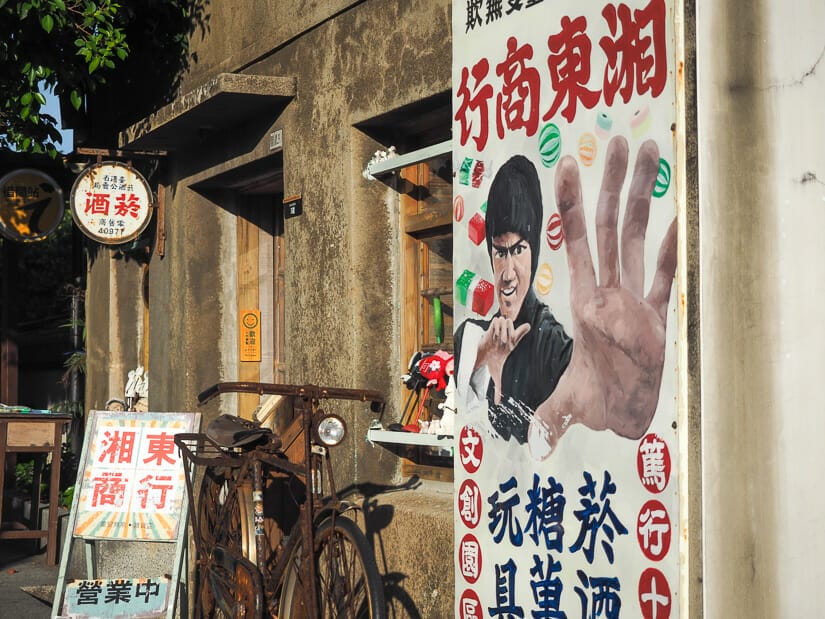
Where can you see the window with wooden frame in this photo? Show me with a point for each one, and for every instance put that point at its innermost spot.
(422, 177)
(427, 257)
(427, 291)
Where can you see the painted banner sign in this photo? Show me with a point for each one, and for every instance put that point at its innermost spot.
(111, 202)
(133, 480)
(566, 467)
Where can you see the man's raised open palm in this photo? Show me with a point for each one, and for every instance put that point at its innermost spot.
(613, 379)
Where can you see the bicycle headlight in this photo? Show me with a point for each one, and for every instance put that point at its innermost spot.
(330, 430)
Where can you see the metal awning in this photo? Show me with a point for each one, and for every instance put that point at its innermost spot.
(226, 100)
(389, 166)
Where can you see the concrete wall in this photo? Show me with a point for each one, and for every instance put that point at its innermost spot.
(761, 83)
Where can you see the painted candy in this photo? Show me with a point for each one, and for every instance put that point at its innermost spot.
(544, 279)
(482, 294)
(473, 290)
(603, 125)
(662, 179)
(458, 208)
(554, 233)
(475, 229)
(549, 145)
(640, 122)
(462, 285)
(464, 171)
(478, 174)
(587, 148)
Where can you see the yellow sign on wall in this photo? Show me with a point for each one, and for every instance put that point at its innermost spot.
(250, 335)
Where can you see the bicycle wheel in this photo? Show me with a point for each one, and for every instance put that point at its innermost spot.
(349, 585)
(222, 537)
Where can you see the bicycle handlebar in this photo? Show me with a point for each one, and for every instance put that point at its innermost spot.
(313, 392)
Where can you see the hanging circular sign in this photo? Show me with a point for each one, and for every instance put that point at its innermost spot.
(111, 202)
(31, 205)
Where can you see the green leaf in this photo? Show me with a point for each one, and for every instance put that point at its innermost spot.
(94, 64)
(47, 22)
(26, 98)
(40, 98)
(75, 99)
(24, 113)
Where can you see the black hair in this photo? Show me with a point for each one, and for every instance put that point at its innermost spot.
(514, 205)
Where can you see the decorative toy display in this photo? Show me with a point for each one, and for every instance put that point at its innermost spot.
(428, 374)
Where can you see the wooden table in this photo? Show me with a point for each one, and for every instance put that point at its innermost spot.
(35, 433)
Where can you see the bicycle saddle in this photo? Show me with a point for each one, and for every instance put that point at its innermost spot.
(232, 431)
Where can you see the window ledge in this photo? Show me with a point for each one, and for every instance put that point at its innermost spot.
(376, 435)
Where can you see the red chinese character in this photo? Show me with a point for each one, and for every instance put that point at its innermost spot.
(156, 491)
(653, 463)
(569, 64)
(653, 530)
(108, 489)
(469, 503)
(472, 448)
(116, 447)
(127, 205)
(469, 558)
(470, 606)
(654, 594)
(161, 449)
(634, 60)
(475, 104)
(518, 101)
(97, 203)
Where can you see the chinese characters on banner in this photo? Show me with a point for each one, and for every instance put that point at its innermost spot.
(566, 491)
(117, 598)
(133, 479)
(111, 202)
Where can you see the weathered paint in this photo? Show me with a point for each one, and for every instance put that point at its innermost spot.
(760, 88)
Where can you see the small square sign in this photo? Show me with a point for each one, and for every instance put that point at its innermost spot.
(293, 206)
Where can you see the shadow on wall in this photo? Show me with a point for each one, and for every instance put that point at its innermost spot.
(377, 517)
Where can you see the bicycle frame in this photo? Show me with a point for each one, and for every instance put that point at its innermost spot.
(264, 459)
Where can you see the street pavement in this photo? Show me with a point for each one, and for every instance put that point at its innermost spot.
(22, 565)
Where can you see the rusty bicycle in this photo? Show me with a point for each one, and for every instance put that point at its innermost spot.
(272, 537)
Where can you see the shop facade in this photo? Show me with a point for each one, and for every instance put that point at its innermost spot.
(308, 170)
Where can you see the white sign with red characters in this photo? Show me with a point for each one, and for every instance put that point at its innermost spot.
(133, 482)
(111, 202)
(565, 225)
